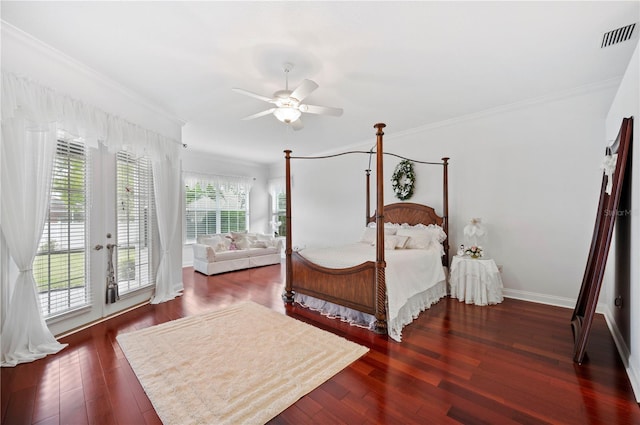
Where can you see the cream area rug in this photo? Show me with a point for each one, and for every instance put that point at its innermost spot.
(243, 364)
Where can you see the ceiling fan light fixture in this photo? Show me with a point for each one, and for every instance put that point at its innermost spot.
(287, 104)
(287, 114)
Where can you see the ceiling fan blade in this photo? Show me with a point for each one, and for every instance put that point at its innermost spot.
(321, 110)
(297, 124)
(259, 114)
(252, 94)
(303, 90)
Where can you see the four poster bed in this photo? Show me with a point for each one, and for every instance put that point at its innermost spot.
(364, 283)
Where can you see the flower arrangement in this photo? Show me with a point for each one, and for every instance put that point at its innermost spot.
(403, 179)
(474, 251)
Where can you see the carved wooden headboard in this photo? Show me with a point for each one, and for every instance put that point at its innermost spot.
(410, 213)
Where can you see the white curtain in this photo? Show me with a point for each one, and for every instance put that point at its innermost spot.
(277, 185)
(32, 117)
(28, 149)
(167, 183)
(82, 121)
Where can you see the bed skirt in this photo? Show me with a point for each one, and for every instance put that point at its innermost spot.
(407, 313)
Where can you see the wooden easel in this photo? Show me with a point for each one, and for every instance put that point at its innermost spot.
(601, 241)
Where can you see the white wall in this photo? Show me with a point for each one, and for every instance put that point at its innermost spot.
(627, 104)
(259, 200)
(530, 171)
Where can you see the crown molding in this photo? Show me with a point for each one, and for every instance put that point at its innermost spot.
(554, 97)
(565, 94)
(33, 43)
(221, 159)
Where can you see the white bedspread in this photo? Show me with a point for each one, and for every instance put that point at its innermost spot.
(411, 277)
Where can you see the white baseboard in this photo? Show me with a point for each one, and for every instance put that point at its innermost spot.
(625, 355)
(634, 377)
(545, 299)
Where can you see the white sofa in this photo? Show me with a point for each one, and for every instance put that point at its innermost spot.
(220, 253)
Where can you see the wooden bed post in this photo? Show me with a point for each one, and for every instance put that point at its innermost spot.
(288, 294)
(381, 284)
(445, 207)
(368, 201)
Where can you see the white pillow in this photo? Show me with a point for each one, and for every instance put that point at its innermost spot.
(401, 241)
(226, 242)
(369, 235)
(436, 231)
(421, 238)
(240, 239)
(216, 242)
(386, 225)
(394, 242)
(390, 243)
(258, 244)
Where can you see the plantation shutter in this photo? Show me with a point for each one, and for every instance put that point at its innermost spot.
(133, 266)
(215, 204)
(60, 267)
(281, 214)
(232, 201)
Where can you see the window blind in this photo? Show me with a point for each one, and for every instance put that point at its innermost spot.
(215, 204)
(136, 219)
(60, 267)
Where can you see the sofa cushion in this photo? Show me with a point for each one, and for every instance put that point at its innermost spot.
(231, 255)
(254, 252)
(217, 242)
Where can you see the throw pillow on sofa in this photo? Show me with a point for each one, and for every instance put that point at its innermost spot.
(240, 240)
(216, 242)
(259, 244)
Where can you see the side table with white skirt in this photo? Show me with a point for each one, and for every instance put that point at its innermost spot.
(475, 281)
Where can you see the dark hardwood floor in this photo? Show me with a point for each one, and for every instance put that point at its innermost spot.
(504, 364)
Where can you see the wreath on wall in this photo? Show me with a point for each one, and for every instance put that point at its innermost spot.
(403, 180)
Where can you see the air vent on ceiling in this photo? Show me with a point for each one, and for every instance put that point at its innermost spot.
(617, 36)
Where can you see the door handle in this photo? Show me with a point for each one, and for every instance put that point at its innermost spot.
(98, 247)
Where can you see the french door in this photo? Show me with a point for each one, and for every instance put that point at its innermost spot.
(101, 209)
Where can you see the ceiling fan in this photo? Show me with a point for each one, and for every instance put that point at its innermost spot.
(288, 107)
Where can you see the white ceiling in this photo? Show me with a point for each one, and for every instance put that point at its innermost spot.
(408, 64)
